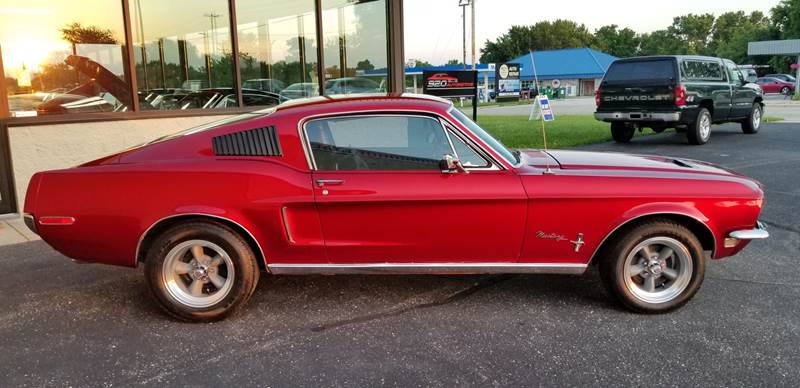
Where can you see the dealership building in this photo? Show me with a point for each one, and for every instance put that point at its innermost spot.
(86, 78)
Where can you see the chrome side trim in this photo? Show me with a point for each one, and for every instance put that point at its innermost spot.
(714, 237)
(760, 232)
(629, 116)
(427, 268)
(141, 237)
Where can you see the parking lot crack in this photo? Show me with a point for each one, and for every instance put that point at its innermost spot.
(452, 298)
(753, 282)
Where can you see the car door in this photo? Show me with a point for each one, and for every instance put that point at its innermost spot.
(383, 198)
(743, 97)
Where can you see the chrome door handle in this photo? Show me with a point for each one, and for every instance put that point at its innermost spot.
(329, 182)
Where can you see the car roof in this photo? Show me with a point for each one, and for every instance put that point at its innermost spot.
(388, 98)
(679, 57)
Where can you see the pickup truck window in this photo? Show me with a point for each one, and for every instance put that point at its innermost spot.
(735, 74)
(701, 70)
(641, 70)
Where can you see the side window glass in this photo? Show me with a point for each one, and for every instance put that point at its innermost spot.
(466, 155)
(377, 143)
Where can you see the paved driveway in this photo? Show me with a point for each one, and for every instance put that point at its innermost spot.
(776, 106)
(63, 324)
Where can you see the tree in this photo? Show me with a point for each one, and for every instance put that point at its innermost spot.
(786, 23)
(544, 35)
(76, 33)
(453, 62)
(621, 43)
(660, 42)
(420, 63)
(365, 65)
(694, 31)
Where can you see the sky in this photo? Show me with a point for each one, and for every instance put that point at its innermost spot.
(439, 39)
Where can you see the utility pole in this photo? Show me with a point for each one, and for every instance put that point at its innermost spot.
(463, 4)
(472, 14)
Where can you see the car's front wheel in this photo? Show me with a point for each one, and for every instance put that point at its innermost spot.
(785, 90)
(699, 131)
(622, 132)
(654, 267)
(201, 271)
(753, 121)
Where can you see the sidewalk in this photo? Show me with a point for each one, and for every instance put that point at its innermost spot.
(14, 231)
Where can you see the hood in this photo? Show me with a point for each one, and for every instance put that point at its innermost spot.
(582, 160)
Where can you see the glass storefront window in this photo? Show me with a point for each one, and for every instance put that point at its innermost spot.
(355, 46)
(63, 57)
(277, 48)
(184, 55)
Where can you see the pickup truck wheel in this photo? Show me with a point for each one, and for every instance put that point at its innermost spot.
(201, 272)
(622, 132)
(753, 121)
(653, 267)
(700, 130)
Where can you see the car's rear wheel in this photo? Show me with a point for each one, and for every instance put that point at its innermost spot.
(700, 130)
(653, 267)
(753, 121)
(201, 271)
(622, 132)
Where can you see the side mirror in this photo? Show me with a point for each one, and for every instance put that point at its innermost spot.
(450, 164)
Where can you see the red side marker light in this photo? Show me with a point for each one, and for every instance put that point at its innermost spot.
(56, 220)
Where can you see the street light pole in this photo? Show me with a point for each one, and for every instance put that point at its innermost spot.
(463, 4)
(472, 14)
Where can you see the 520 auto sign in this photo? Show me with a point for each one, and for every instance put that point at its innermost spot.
(458, 83)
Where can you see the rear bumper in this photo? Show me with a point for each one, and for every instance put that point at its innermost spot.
(638, 116)
(757, 233)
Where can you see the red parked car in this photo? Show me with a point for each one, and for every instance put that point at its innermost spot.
(394, 184)
(774, 85)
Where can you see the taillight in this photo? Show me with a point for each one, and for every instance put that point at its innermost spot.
(597, 96)
(680, 95)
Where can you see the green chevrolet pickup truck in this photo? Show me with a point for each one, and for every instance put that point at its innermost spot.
(688, 93)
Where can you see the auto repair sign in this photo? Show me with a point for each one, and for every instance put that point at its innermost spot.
(507, 83)
(454, 83)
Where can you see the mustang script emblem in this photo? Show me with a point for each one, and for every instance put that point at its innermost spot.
(560, 237)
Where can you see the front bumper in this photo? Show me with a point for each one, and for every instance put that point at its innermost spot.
(638, 116)
(757, 233)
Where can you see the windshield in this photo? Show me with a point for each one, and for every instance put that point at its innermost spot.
(499, 148)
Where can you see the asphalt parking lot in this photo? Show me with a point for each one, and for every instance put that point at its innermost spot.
(63, 324)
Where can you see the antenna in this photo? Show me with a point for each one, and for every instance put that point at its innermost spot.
(547, 170)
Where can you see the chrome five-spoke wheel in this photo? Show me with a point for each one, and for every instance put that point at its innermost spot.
(654, 265)
(201, 270)
(198, 273)
(658, 270)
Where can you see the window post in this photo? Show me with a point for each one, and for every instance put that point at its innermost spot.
(394, 32)
(237, 71)
(4, 110)
(130, 61)
(320, 48)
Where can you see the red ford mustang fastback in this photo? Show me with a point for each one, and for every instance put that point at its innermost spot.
(391, 184)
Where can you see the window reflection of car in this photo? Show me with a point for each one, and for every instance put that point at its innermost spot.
(265, 84)
(226, 98)
(351, 85)
(299, 90)
(103, 92)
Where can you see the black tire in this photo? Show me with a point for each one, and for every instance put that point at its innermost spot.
(680, 130)
(622, 132)
(699, 130)
(241, 258)
(658, 129)
(753, 121)
(785, 90)
(615, 255)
